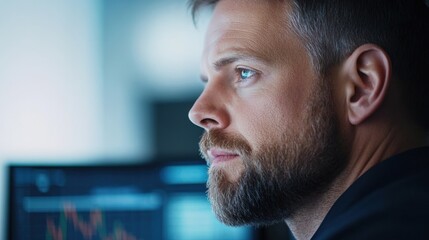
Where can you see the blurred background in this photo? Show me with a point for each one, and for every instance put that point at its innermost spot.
(96, 81)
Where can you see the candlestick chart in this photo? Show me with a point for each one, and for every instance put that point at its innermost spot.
(159, 202)
(93, 225)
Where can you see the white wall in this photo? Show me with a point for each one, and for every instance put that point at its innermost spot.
(151, 51)
(77, 78)
(50, 83)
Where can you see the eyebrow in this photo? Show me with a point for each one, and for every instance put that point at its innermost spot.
(222, 62)
(233, 58)
(225, 61)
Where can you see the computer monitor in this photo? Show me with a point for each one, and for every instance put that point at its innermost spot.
(163, 201)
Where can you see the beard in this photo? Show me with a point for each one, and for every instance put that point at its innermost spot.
(284, 173)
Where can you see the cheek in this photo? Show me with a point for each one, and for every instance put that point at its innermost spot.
(271, 111)
(264, 120)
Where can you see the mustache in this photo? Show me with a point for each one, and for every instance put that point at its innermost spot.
(227, 141)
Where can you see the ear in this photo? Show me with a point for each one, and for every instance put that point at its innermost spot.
(368, 75)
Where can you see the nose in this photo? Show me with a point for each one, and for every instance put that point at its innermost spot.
(209, 112)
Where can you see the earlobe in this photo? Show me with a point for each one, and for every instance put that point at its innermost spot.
(368, 72)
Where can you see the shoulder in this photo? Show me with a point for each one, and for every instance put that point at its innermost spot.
(392, 213)
(389, 203)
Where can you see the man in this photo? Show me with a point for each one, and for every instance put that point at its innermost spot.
(316, 113)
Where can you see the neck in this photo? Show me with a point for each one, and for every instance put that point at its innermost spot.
(370, 145)
(304, 223)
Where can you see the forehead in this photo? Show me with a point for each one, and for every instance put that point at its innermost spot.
(256, 27)
(251, 10)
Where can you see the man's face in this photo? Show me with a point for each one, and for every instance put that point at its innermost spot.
(271, 135)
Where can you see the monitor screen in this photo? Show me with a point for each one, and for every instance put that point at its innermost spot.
(142, 202)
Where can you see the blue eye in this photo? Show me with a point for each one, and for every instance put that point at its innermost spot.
(246, 73)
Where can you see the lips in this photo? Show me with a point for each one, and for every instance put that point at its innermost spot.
(220, 155)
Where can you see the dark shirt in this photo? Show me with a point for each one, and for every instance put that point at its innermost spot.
(389, 201)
